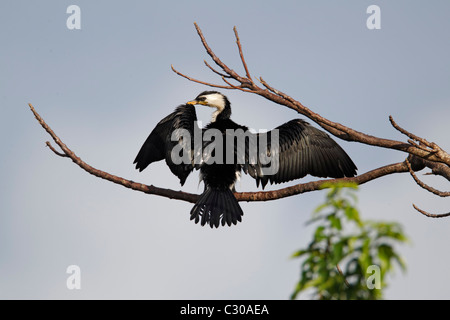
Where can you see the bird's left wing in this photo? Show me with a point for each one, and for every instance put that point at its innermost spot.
(301, 150)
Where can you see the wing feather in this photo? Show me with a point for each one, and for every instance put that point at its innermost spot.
(158, 145)
(304, 150)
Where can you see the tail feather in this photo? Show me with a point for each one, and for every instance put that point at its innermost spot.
(217, 207)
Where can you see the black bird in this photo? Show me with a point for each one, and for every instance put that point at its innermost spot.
(301, 150)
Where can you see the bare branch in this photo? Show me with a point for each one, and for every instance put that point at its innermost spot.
(211, 54)
(238, 42)
(217, 61)
(409, 134)
(240, 196)
(431, 215)
(436, 154)
(235, 87)
(439, 169)
(316, 185)
(423, 185)
(215, 71)
(420, 146)
(198, 81)
(179, 195)
(421, 154)
(56, 151)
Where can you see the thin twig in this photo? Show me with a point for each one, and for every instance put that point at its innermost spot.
(215, 71)
(179, 195)
(420, 146)
(425, 186)
(238, 42)
(236, 87)
(210, 52)
(342, 275)
(277, 92)
(409, 134)
(431, 215)
(56, 151)
(199, 81)
(216, 59)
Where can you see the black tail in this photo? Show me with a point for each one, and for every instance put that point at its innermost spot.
(217, 206)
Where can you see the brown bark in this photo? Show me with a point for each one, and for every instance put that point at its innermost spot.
(419, 152)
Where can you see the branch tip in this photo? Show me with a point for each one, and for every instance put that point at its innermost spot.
(431, 215)
(424, 185)
(48, 144)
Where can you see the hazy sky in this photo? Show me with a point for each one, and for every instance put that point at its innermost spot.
(104, 87)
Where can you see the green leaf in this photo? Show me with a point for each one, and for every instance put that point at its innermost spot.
(299, 253)
(319, 234)
(338, 252)
(335, 221)
(385, 253)
(352, 214)
(369, 243)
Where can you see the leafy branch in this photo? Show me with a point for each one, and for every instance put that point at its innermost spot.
(345, 249)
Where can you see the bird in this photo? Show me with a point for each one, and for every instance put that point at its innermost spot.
(295, 149)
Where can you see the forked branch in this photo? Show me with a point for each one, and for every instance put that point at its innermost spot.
(245, 83)
(424, 153)
(189, 197)
(421, 152)
(68, 153)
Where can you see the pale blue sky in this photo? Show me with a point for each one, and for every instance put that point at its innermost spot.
(104, 87)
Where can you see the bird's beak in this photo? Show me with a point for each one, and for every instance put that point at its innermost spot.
(194, 102)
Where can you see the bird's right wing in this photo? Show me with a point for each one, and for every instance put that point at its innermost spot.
(159, 144)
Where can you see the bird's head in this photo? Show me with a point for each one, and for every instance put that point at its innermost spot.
(216, 100)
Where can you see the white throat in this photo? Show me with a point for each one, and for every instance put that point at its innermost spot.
(217, 101)
(215, 114)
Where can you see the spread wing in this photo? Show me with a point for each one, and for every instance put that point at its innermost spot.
(302, 150)
(159, 144)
